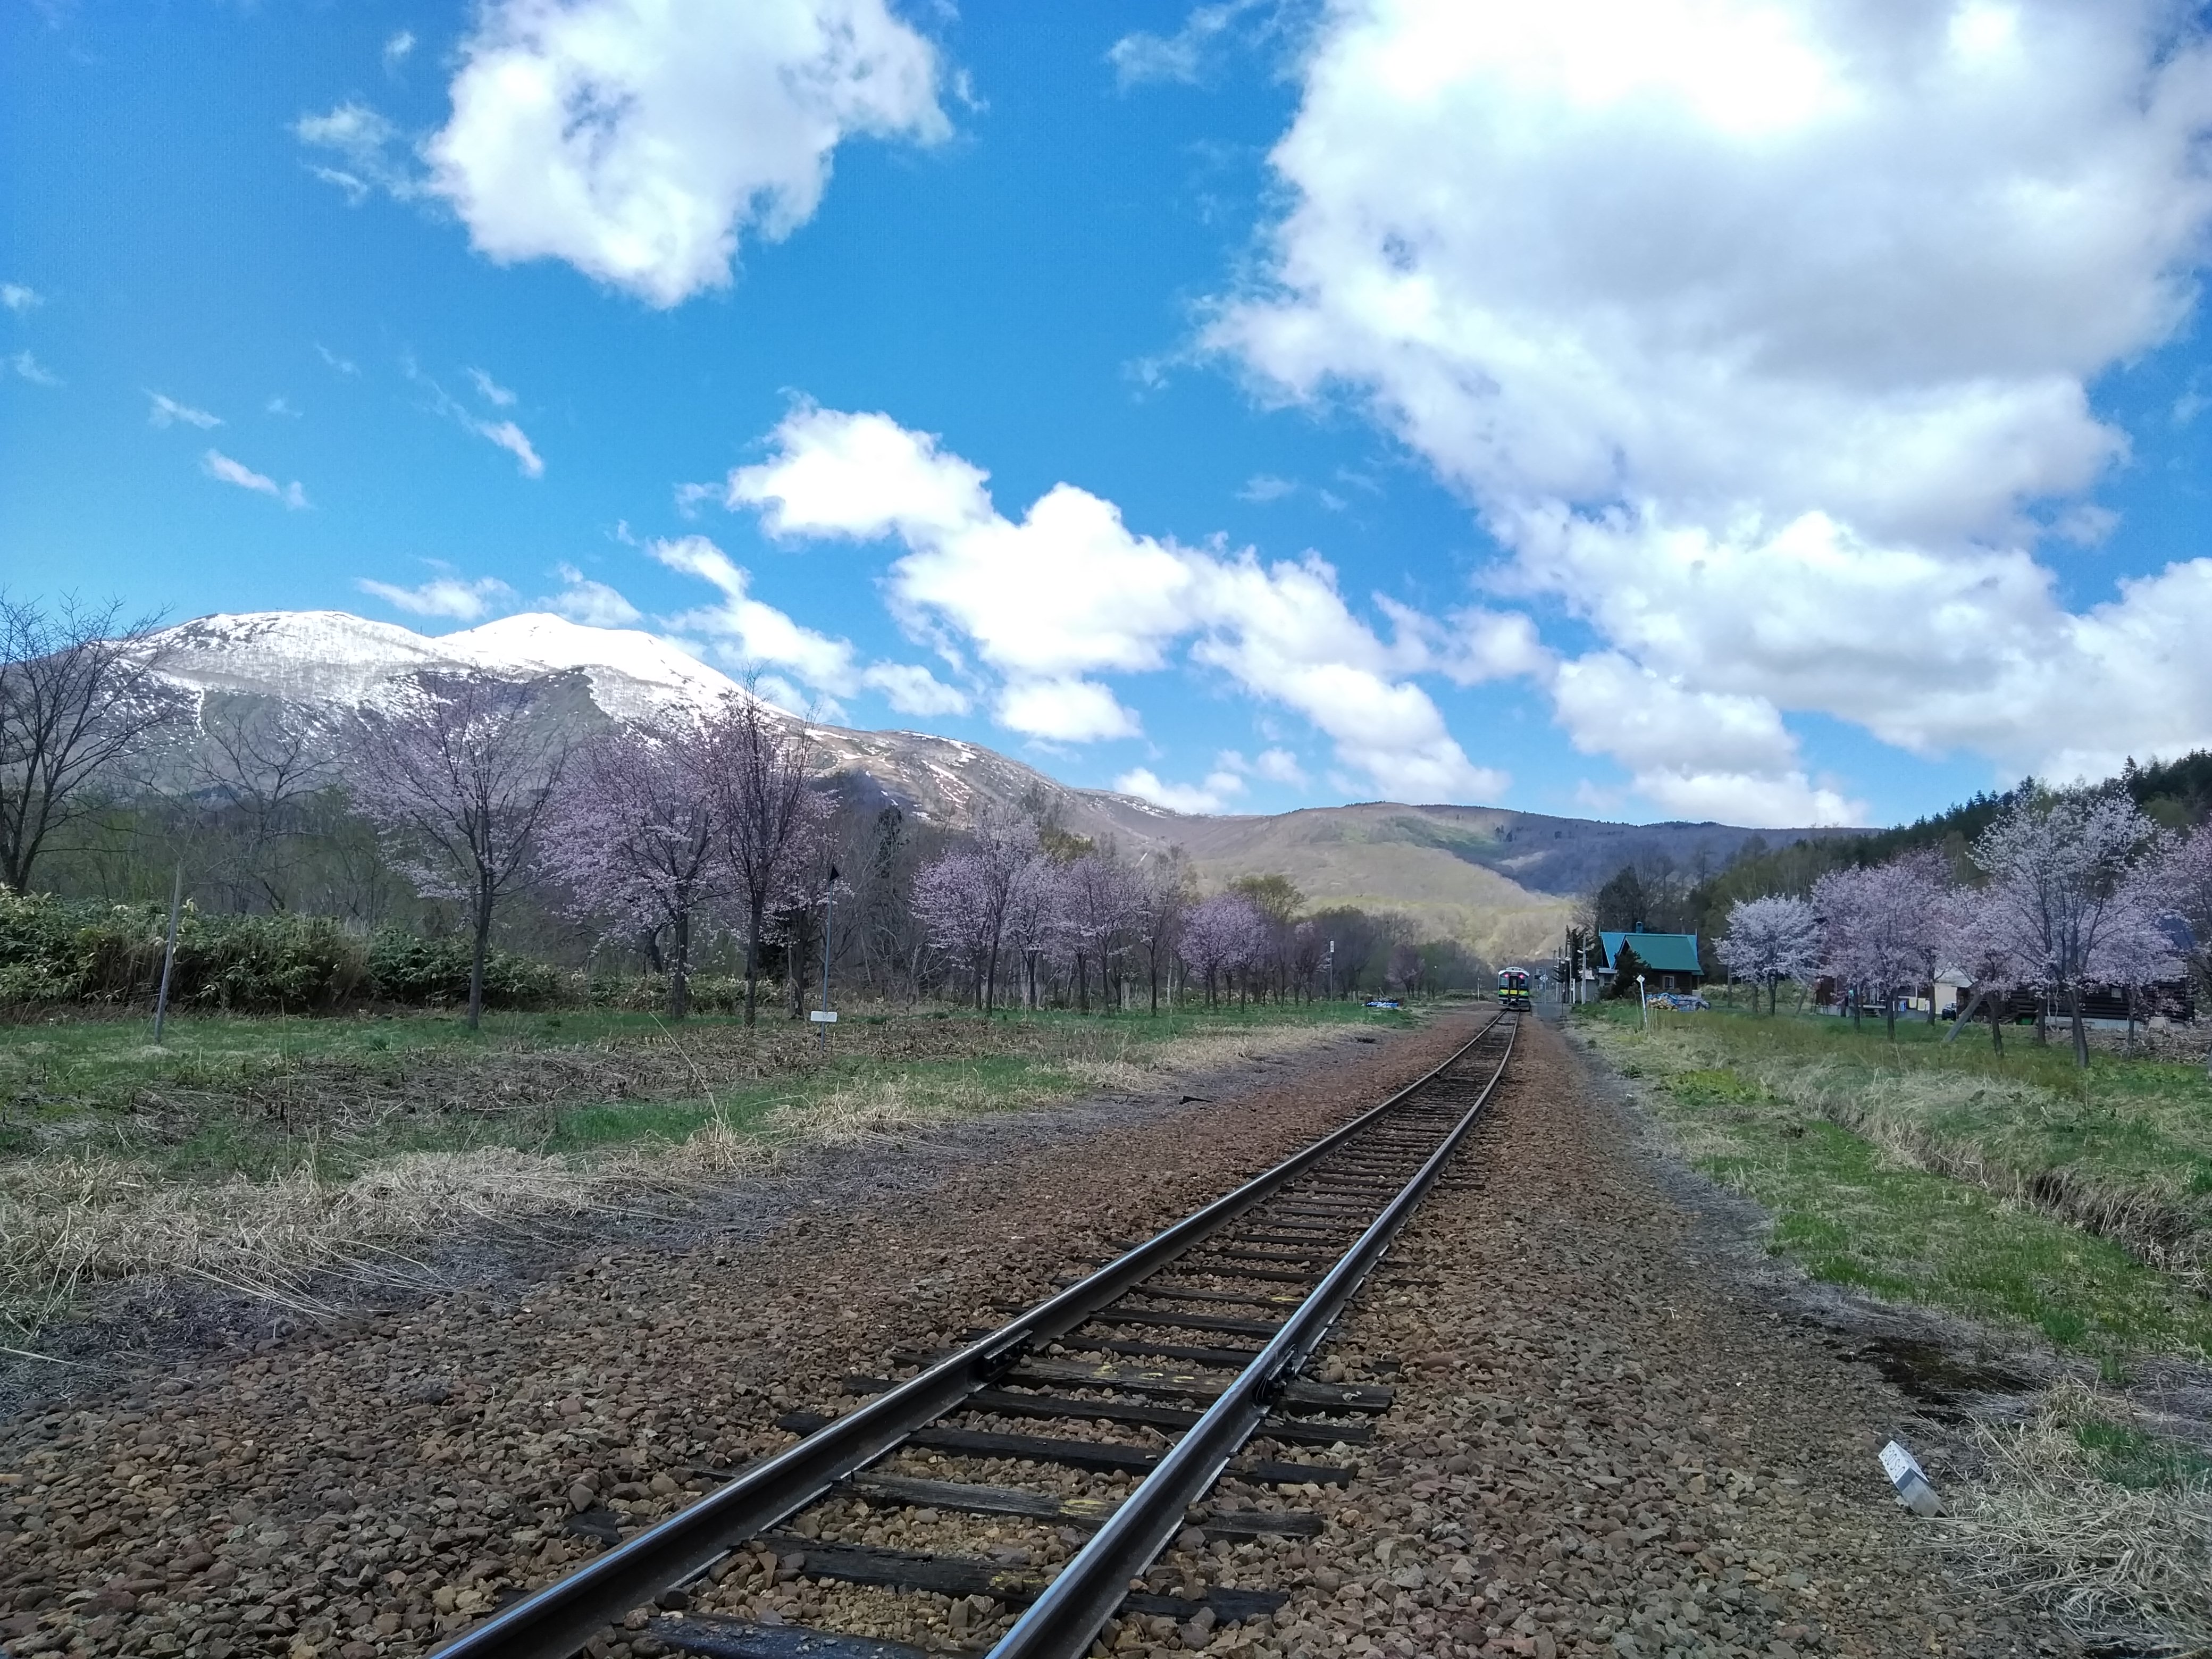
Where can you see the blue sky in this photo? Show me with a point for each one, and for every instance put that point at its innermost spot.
(1454, 406)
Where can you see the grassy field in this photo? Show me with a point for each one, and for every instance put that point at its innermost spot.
(260, 1151)
(2012, 1189)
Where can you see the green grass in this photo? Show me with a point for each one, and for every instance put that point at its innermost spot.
(226, 1096)
(1835, 1135)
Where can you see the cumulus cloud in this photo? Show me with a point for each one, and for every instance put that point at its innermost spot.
(397, 49)
(593, 604)
(19, 298)
(1213, 795)
(443, 596)
(640, 142)
(1759, 334)
(167, 411)
(1068, 592)
(223, 470)
(743, 630)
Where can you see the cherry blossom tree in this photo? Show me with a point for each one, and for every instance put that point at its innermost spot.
(633, 835)
(2062, 882)
(1877, 927)
(964, 897)
(2186, 882)
(760, 775)
(1163, 900)
(1221, 935)
(2134, 951)
(1771, 939)
(1099, 901)
(462, 771)
(1982, 947)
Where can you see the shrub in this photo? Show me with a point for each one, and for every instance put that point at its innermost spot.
(404, 968)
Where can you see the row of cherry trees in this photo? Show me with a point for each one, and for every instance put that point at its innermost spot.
(1014, 908)
(2063, 892)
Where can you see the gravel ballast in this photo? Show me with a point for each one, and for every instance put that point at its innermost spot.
(1601, 1442)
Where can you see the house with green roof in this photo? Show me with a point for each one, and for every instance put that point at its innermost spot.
(1670, 960)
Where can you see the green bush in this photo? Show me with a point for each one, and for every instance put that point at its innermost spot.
(62, 950)
(404, 968)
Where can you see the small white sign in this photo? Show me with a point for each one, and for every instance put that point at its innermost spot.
(823, 1016)
(1914, 1490)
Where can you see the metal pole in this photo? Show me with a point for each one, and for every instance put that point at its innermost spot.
(168, 955)
(1643, 1005)
(829, 909)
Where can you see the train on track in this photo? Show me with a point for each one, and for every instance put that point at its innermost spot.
(1513, 988)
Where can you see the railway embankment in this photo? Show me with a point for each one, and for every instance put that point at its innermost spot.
(1605, 1436)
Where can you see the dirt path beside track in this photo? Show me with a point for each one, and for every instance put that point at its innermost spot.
(1601, 1444)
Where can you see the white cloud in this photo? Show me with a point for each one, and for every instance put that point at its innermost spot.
(1264, 487)
(593, 604)
(372, 155)
(397, 49)
(514, 440)
(30, 368)
(504, 434)
(638, 142)
(220, 467)
(746, 633)
(342, 365)
(167, 411)
(1069, 592)
(1213, 795)
(913, 690)
(280, 405)
(443, 596)
(1762, 334)
(18, 298)
(1279, 765)
(1141, 57)
(1067, 708)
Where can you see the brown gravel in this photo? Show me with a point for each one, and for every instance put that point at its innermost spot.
(1599, 1442)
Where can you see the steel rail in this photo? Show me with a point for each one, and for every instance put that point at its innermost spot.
(555, 1622)
(1064, 1622)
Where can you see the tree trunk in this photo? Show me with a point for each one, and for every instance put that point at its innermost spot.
(2042, 1017)
(2129, 992)
(1773, 990)
(2080, 1031)
(1889, 1013)
(752, 955)
(1081, 984)
(1859, 1007)
(1152, 970)
(481, 948)
(679, 968)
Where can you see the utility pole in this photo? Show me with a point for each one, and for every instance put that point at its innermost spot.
(824, 1017)
(168, 955)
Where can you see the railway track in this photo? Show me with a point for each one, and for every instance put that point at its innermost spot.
(1196, 1337)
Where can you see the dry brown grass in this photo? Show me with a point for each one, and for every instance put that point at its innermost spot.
(73, 1220)
(2047, 1524)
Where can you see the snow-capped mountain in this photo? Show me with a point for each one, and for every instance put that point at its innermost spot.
(1484, 874)
(332, 657)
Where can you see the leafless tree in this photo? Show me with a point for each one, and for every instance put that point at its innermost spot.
(761, 774)
(79, 700)
(260, 766)
(462, 770)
